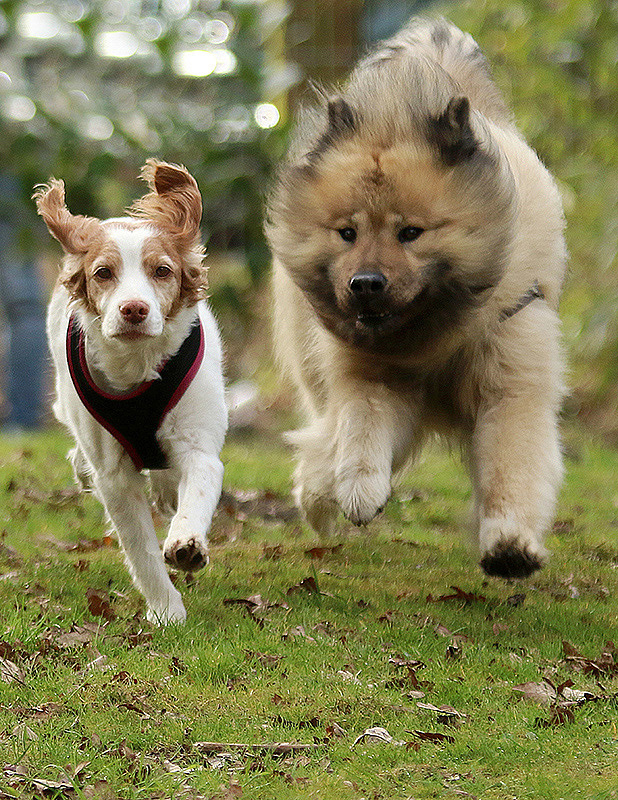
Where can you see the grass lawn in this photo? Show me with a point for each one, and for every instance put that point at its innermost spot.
(294, 640)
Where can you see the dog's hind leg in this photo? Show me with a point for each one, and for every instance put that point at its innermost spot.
(124, 496)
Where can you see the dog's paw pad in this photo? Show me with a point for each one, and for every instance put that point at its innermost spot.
(188, 556)
(508, 559)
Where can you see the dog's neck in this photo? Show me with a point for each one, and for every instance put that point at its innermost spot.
(118, 365)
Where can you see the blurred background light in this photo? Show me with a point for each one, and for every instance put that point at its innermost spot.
(266, 115)
(150, 29)
(225, 61)
(216, 31)
(194, 63)
(72, 10)
(38, 25)
(98, 127)
(19, 108)
(117, 44)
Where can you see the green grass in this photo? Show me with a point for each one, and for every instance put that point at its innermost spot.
(126, 706)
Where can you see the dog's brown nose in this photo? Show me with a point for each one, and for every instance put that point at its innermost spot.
(367, 284)
(134, 311)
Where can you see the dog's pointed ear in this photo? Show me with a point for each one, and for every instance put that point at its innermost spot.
(73, 231)
(174, 201)
(342, 120)
(452, 132)
(341, 117)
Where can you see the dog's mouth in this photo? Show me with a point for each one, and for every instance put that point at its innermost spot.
(373, 319)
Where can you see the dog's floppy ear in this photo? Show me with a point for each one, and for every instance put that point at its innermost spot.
(452, 132)
(174, 201)
(73, 231)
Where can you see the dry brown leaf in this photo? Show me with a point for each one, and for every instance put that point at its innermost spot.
(458, 594)
(558, 715)
(429, 736)
(10, 672)
(99, 605)
(544, 693)
(265, 659)
(515, 600)
(322, 552)
(297, 632)
(377, 734)
(306, 585)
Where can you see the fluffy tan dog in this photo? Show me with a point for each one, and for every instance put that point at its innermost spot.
(418, 260)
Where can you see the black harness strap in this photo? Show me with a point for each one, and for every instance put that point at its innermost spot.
(134, 418)
(533, 293)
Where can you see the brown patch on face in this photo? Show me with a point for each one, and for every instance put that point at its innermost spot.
(102, 256)
(159, 254)
(174, 207)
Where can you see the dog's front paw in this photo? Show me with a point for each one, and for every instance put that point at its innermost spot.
(509, 550)
(363, 494)
(188, 555)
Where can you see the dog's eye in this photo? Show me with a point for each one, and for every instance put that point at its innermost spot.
(103, 274)
(162, 271)
(347, 234)
(409, 234)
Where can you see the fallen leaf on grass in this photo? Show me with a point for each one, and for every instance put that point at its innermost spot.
(99, 605)
(322, 552)
(558, 715)
(429, 736)
(377, 734)
(272, 552)
(606, 664)
(256, 606)
(76, 636)
(100, 790)
(563, 526)
(298, 632)
(515, 600)
(275, 748)
(265, 659)
(10, 672)
(335, 730)
(229, 792)
(446, 715)
(83, 545)
(543, 692)
(308, 584)
(458, 594)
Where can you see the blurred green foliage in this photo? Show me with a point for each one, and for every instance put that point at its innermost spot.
(557, 61)
(90, 89)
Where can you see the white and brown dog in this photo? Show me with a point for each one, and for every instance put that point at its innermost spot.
(138, 372)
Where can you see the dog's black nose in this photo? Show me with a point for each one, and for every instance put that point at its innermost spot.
(367, 284)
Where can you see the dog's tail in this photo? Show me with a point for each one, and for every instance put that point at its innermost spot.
(442, 43)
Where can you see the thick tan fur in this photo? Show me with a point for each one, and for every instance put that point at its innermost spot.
(420, 139)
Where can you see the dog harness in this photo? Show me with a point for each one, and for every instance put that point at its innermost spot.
(135, 417)
(533, 293)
